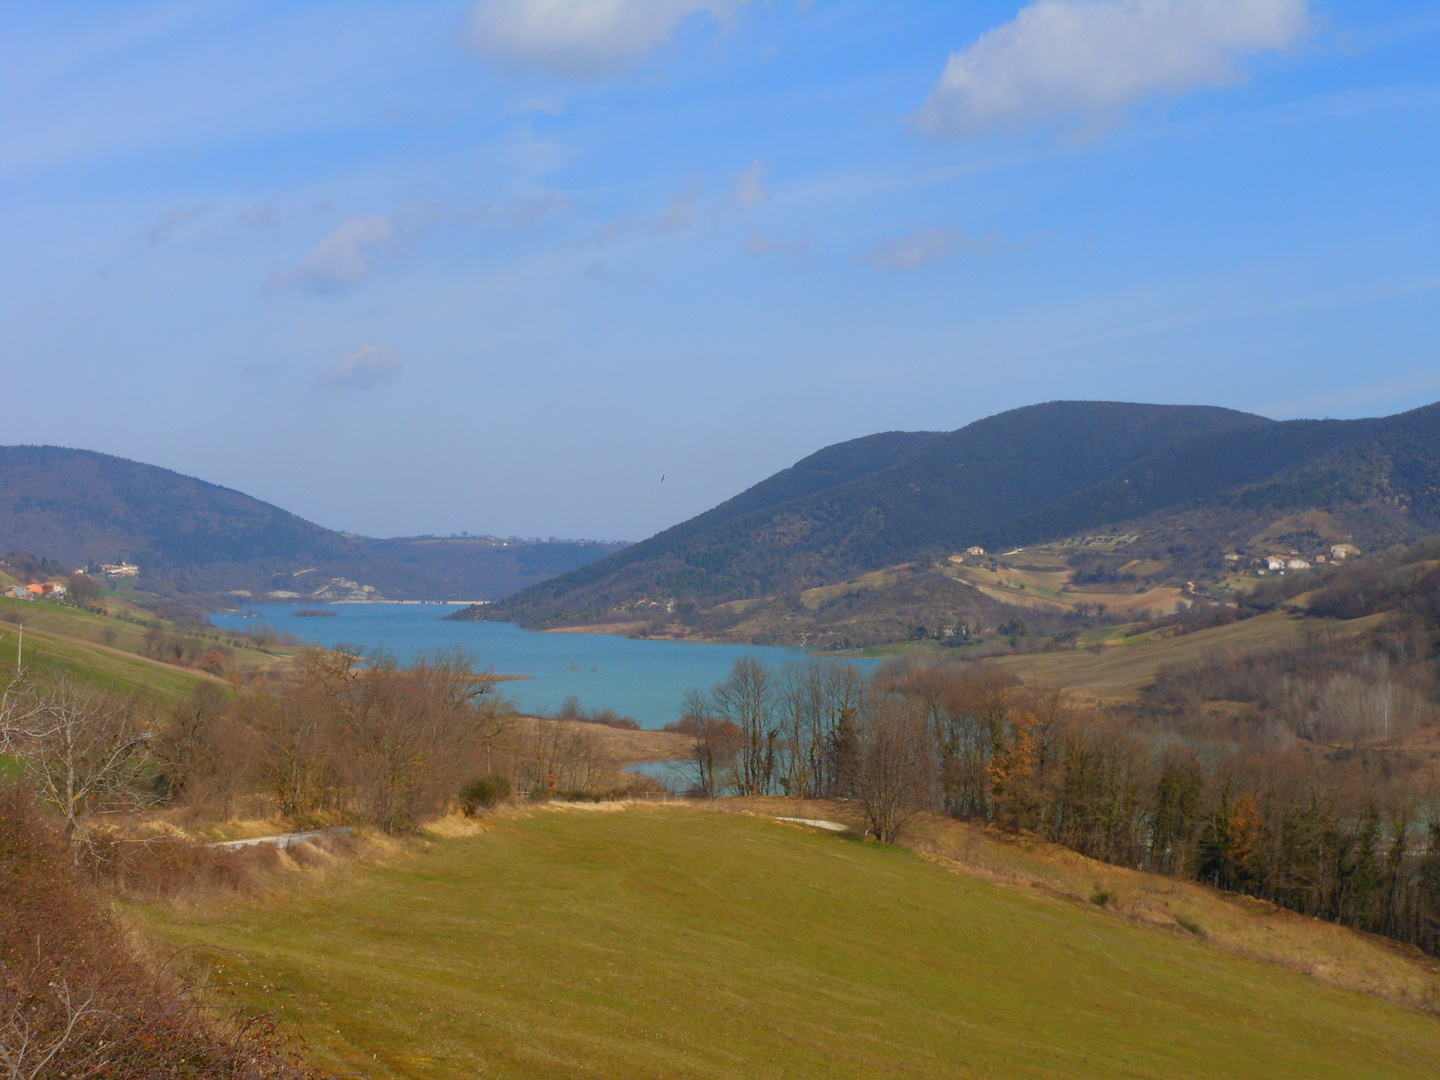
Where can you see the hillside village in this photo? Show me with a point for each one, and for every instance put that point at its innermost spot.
(54, 590)
(1290, 560)
(47, 584)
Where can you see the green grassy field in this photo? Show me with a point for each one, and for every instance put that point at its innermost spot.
(108, 652)
(48, 653)
(674, 942)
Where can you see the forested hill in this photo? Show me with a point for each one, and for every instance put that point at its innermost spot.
(1024, 476)
(81, 507)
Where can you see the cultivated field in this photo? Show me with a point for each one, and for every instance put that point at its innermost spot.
(668, 941)
(1118, 668)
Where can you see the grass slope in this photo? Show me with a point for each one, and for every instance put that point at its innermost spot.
(106, 652)
(60, 640)
(670, 942)
(101, 667)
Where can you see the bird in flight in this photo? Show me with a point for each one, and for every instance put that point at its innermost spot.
(662, 478)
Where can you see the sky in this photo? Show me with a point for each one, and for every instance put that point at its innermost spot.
(499, 267)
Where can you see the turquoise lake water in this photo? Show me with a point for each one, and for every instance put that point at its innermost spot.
(643, 679)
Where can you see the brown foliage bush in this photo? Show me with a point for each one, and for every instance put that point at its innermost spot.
(75, 1003)
(381, 744)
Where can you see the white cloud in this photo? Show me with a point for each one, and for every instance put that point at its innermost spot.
(750, 187)
(345, 255)
(366, 367)
(926, 246)
(1092, 59)
(583, 39)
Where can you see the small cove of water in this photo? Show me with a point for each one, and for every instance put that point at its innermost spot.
(643, 679)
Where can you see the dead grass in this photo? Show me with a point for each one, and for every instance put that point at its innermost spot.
(1156, 602)
(1119, 673)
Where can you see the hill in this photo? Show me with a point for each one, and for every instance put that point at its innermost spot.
(1170, 484)
(672, 941)
(198, 538)
(118, 647)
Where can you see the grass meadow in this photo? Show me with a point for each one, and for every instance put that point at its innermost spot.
(668, 941)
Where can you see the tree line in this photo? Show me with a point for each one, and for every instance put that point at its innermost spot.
(1251, 801)
(349, 737)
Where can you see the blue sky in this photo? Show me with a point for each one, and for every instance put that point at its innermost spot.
(498, 267)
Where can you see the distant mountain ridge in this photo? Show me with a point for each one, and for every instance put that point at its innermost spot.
(1025, 476)
(84, 507)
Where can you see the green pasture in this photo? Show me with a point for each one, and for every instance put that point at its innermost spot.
(674, 942)
(48, 654)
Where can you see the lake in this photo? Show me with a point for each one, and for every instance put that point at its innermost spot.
(643, 679)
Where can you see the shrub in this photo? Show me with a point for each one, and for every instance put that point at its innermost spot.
(1101, 897)
(484, 792)
(74, 1001)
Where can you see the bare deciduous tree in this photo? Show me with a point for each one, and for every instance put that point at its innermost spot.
(814, 701)
(895, 767)
(31, 1040)
(712, 744)
(553, 756)
(402, 738)
(84, 751)
(746, 698)
(293, 748)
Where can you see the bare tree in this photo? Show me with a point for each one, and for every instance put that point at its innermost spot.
(802, 709)
(746, 698)
(405, 737)
(19, 706)
(895, 774)
(184, 747)
(84, 751)
(712, 743)
(554, 756)
(35, 1033)
(293, 746)
(816, 703)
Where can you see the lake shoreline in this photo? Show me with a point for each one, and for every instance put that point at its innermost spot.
(644, 678)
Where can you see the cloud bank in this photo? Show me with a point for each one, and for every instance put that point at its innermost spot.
(583, 39)
(1092, 59)
(365, 368)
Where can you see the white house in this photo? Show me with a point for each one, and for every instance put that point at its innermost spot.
(1275, 562)
(1341, 552)
(1297, 564)
(975, 550)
